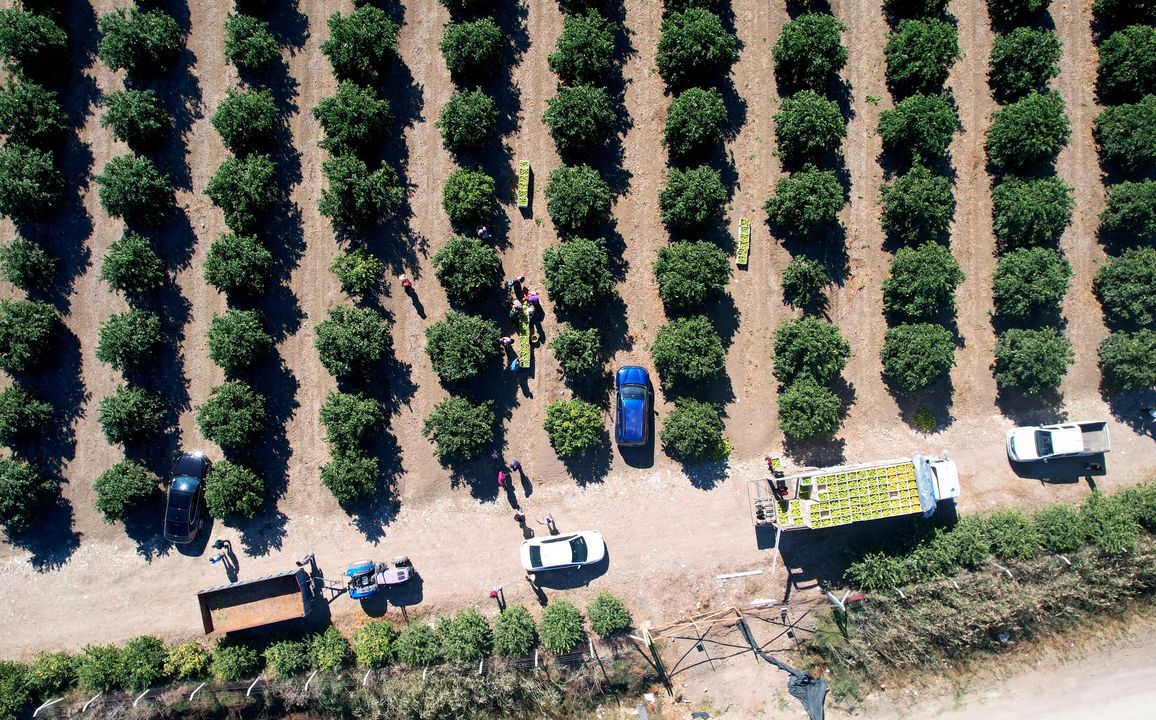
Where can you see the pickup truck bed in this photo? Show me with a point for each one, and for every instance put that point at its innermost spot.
(1095, 437)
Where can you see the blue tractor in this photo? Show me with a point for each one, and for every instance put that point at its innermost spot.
(365, 577)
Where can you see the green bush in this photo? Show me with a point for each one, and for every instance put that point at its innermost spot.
(461, 346)
(690, 273)
(128, 340)
(608, 615)
(99, 669)
(358, 270)
(803, 282)
(694, 47)
(808, 125)
(578, 352)
(27, 265)
(130, 414)
(143, 662)
(577, 197)
(30, 41)
(514, 632)
(234, 662)
(328, 651)
(467, 268)
(233, 490)
(187, 661)
(238, 340)
(917, 206)
(355, 198)
(1130, 210)
(919, 55)
(580, 119)
(249, 44)
(1126, 135)
(24, 492)
(468, 121)
(360, 45)
(351, 476)
(574, 426)
(1032, 361)
(692, 198)
(123, 488)
(139, 41)
(585, 49)
(353, 118)
(919, 128)
(418, 645)
(806, 203)
(286, 658)
(1110, 523)
(914, 8)
(1060, 528)
(350, 420)
(687, 352)
(879, 571)
(30, 184)
(136, 117)
(1030, 282)
(468, 197)
(1014, 12)
(1031, 211)
(373, 644)
(1125, 359)
(1013, 535)
(27, 333)
(561, 628)
(352, 341)
(1117, 13)
(245, 190)
(466, 637)
(694, 123)
(1126, 287)
(246, 120)
(915, 355)
(692, 432)
(30, 114)
(808, 409)
(233, 416)
(578, 273)
(50, 675)
(1142, 500)
(1023, 61)
(923, 282)
(1028, 132)
(464, 7)
(132, 266)
(809, 346)
(22, 415)
(460, 429)
(809, 52)
(472, 49)
(238, 265)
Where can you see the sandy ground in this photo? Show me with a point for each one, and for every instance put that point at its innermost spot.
(669, 531)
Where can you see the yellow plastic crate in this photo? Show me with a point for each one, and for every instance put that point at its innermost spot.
(744, 241)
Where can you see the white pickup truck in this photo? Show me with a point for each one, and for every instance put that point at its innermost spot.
(1025, 444)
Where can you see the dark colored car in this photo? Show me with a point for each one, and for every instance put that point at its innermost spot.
(185, 507)
(632, 406)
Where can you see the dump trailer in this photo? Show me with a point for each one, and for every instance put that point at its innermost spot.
(252, 603)
(852, 493)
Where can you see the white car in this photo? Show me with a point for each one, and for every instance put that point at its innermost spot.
(1025, 444)
(560, 552)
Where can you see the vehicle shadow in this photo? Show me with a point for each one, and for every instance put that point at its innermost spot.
(1062, 470)
(574, 577)
(643, 455)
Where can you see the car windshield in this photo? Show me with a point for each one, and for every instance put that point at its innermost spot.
(536, 555)
(1043, 443)
(578, 549)
(633, 392)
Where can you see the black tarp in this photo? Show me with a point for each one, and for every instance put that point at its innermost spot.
(810, 690)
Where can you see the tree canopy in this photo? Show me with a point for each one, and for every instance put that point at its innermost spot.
(809, 52)
(807, 126)
(578, 273)
(806, 203)
(690, 273)
(693, 47)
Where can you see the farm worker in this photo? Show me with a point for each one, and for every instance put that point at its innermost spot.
(1151, 412)
(506, 341)
(217, 558)
(496, 456)
(483, 233)
(533, 297)
(515, 308)
(548, 521)
(515, 466)
(502, 478)
(520, 517)
(405, 283)
(516, 280)
(515, 365)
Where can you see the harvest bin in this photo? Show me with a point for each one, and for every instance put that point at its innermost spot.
(251, 603)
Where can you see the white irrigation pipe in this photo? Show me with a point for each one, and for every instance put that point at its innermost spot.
(194, 693)
(365, 679)
(311, 676)
(50, 702)
(138, 697)
(250, 690)
(481, 665)
(94, 697)
(748, 573)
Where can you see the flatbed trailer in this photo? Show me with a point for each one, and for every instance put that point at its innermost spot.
(853, 493)
(251, 603)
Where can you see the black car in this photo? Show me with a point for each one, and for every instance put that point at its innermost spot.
(184, 510)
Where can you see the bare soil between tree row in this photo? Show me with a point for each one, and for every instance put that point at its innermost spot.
(669, 529)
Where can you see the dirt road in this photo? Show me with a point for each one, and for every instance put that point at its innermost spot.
(670, 530)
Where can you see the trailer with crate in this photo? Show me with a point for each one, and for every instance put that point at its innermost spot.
(853, 493)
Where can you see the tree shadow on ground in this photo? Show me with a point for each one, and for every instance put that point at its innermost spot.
(816, 452)
(1127, 407)
(61, 384)
(144, 524)
(374, 514)
(706, 475)
(591, 466)
(51, 541)
(1045, 408)
(288, 25)
(935, 399)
